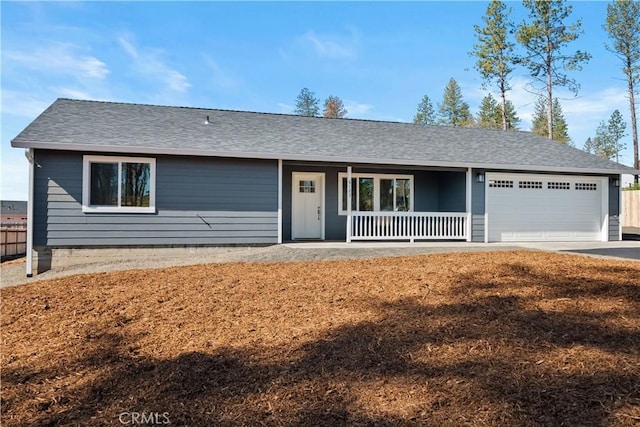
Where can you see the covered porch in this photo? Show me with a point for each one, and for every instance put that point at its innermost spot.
(375, 203)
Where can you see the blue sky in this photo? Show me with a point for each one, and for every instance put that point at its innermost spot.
(379, 58)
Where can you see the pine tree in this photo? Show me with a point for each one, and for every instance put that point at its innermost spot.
(616, 128)
(495, 51)
(603, 143)
(560, 127)
(543, 39)
(425, 114)
(490, 113)
(513, 121)
(539, 121)
(589, 146)
(453, 110)
(607, 144)
(623, 26)
(307, 104)
(334, 108)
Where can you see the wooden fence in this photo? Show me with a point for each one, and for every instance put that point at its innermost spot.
(13, 241)
(630, 208)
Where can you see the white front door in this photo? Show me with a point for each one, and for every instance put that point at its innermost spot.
(307, 218)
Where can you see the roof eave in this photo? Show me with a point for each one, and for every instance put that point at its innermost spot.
(309, 158)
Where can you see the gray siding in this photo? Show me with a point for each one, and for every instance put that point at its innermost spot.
(614, 209)
(452, 191)
(198, 202)
(477, 207)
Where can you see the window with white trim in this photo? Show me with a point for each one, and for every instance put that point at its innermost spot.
(376, 192)
(118, 184)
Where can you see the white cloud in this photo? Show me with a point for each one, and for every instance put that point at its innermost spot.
(285, 108)
(128, 47)
(148, 62)
(22, 104)
(14, 175)
(62, 58)
(221, 78)
(357, 109)
(66, 92)
(327, 46)
(324, 46)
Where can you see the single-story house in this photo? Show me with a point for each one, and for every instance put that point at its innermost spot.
(107, 174)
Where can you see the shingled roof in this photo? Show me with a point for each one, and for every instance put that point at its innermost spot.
(151, 129)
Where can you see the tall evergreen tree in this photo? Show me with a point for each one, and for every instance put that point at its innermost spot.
(589, 146)
(560, 127)
(307, 104)
(334, 108)
(453, 110)
(603, 143)
(623, 26)
(494, 51)
(425, 114)
(616, 128)
(490, 114)
(544, 38)
(606, 143)
(513, 121)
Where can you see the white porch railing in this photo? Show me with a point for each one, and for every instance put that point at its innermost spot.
(408, 225)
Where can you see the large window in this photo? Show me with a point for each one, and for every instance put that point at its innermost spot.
(118, 184)
(376, 192)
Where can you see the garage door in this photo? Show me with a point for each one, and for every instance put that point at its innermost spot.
(532, 207)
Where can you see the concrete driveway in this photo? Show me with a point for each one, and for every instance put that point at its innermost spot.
(626, 249)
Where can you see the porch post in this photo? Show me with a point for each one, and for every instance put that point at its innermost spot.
(349, 195)
(30, 157)
(620, 207)
(279, 201)
(468, 202)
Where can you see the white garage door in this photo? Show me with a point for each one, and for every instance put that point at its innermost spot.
(532, 207)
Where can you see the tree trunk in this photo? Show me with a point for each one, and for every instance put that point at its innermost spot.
(549, 105)
(549, 70)
(504, 104)
(634, 125)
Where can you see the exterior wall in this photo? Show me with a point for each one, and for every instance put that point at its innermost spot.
(434, 191)
(238, 198)
(477, 207)
(452, 191)
(614, 209)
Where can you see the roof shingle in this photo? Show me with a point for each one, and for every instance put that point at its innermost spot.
(119, 127)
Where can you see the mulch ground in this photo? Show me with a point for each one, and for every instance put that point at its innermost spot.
(500, 338)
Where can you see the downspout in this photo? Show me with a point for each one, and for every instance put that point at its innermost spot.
(279, 201)
(620, 207)
(30, 157)
(349, 196)
(468, 204)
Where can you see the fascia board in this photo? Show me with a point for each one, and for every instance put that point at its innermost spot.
(309, 158)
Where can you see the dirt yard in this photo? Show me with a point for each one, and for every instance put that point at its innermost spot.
(498, 338)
